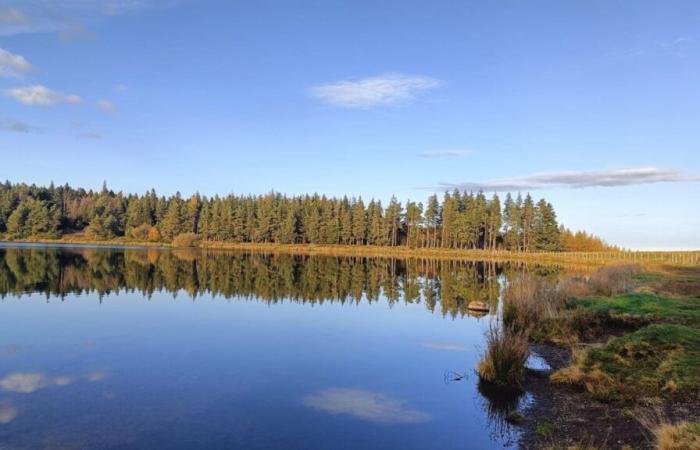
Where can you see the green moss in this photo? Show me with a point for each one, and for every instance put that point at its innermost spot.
(662, 359)
(681, 310)
(544, 429)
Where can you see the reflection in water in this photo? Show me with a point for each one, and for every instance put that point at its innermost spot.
(7, 414)
(97, 375)
(272, 278)
(365, 405)
(498, 405)
(439, 346)
(26, 383)
(216, 365)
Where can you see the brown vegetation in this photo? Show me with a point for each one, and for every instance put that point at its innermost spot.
(503, 363)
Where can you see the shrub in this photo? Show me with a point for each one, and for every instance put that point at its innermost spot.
(186, 240)
(141, 233)
(503, 363)
(154, 235)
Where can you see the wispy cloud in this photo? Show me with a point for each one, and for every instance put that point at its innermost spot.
(382, 90)
(12, 65)
(39, 95)
(121, 87)
(67, 17)
(89, 135)
(106, 106)
(75, 32)
(16, 126)
(365, 405)
(444, 154)
(12, 16)
(578, 180)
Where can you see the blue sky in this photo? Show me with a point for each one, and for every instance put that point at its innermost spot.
(593, 104)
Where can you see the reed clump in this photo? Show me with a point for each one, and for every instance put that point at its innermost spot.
(613, 280)
(503, 363)
(546, 310)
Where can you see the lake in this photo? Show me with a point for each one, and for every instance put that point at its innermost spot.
(146, 348)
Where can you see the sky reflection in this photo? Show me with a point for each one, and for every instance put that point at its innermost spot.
(365, 405)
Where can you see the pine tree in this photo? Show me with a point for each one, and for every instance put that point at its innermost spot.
(359, 223)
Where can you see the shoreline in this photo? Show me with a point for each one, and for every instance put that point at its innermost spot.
(652, 258)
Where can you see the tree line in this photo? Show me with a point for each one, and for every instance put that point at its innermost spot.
(458, 220)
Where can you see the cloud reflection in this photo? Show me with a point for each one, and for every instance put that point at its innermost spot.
(7, 414)
(28, 382)
(97, 375)
(24, 383)
(365, 405)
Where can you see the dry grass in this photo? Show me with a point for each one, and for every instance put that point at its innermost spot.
(668, 436)
(593, 380)
(683, 436)
(613, 280)
(503, 363)
(539, 307)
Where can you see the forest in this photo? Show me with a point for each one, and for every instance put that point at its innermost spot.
(458, 220)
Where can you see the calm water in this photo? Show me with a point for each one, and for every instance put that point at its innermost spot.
(127, 348)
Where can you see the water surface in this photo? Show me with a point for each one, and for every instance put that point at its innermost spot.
(144, 348)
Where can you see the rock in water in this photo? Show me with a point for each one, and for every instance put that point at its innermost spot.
(478, 306)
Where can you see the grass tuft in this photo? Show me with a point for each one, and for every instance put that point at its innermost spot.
(683, 436)
(503, 363)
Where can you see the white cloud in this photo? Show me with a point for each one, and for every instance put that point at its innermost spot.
(106, 106)
(365, 405)
(444, 154)
(383, 90)
(12, 65)
(579, 180)
(39, 95)
(121, 87)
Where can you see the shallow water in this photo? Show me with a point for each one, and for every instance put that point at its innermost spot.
(128, 348)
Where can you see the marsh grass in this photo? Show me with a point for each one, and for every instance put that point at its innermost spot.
(503, 363)
(547, 310)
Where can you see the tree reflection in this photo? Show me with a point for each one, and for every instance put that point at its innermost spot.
(445, 286)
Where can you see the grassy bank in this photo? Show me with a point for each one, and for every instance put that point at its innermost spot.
(634, 336)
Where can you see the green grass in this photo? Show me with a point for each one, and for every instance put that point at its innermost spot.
(685, 310)
(657, 360)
